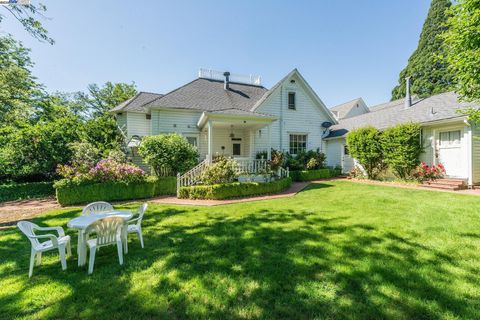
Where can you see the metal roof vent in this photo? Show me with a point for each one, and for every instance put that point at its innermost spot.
(226, 85)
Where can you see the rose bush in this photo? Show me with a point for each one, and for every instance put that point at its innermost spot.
(430, 173)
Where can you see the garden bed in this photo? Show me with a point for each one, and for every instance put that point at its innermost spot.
(233, 190)
(75, 194)
(308, 175)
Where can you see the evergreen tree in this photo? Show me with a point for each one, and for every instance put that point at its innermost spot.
(430, 74)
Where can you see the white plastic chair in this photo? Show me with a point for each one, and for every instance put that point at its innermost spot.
(134, 225)
(61, 242)
(108, 232)
(97, 207)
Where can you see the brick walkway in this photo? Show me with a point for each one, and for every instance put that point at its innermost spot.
(293, 190)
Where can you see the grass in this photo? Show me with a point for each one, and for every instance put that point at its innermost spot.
(338, 250)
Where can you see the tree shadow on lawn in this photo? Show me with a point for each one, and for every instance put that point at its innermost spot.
(263, 265)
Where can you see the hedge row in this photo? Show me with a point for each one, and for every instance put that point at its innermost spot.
(76, 194)
(308, 175)
(27, 190)
(233, 190)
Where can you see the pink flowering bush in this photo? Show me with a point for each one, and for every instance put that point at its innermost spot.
(111, 170)
(430, 173)
(107, 170)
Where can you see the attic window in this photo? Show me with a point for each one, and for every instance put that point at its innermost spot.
(148, 116)
(291, 100)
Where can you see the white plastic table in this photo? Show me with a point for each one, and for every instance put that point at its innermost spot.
(82, 222)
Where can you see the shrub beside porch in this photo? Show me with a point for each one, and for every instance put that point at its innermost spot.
(233, 190)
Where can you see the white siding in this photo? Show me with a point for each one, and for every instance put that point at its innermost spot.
(334, 152)
(476, 153)
(306, 119)
(138, 124)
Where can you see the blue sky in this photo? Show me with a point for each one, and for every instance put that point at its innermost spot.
(345, 49)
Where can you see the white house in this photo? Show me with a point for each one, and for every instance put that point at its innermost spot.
(447, 137)
(232, 115)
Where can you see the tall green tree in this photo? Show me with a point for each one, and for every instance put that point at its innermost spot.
(19, 90)
(430, 74)
(101, 127)
(100, 100)
(462, 48)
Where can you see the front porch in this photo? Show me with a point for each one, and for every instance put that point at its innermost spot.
(235, 134)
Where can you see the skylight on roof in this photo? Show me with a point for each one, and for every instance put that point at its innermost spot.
(237, 78)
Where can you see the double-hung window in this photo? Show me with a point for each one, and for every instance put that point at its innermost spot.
(298, 143)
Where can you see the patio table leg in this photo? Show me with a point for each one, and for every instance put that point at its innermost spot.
(125, 237)
(81, 249)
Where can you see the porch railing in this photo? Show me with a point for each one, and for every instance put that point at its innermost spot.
(192, 176)
(283, 173)
(244, 166)
(252, 166)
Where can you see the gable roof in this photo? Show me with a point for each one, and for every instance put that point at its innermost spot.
(136, 103)
(310, 91)
(439, 107)
(342, 110)
(209, 95)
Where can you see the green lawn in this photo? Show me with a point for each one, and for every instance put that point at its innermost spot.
(337, 250)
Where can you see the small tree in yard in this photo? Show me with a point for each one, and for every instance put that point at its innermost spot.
(365, 146)
(171, 151)
(402, 148)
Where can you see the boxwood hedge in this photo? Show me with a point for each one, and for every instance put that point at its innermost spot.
(19, 191)
(307, 175)
(68, 194)
(233, 190)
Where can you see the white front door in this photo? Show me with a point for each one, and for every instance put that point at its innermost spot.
(450, 153)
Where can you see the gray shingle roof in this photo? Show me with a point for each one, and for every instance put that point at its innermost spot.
(210, 95)
(439, 107)
(343, 109)
(137, 103)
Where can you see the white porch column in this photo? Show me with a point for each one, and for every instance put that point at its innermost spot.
(269, 150)
(252, 143)
(210, 142)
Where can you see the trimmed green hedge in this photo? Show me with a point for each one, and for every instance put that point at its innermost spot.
(76, 194)
(308, 175)
(27, 190)
(233, 190)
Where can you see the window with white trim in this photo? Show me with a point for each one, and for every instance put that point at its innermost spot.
(298, 143)
(193, 141)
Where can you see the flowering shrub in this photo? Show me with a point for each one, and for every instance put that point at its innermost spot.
(430, 173)
(107, 170)
(111, 170)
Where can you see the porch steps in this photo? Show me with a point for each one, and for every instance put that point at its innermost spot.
(446, 184)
